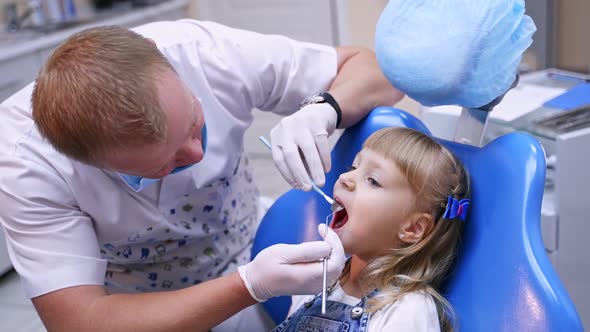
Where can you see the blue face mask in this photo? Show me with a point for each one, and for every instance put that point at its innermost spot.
(139, 183)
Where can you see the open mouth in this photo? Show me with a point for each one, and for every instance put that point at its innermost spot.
(340, 219)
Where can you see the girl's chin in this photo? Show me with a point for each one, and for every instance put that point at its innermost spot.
(339, 232)
(346, 243)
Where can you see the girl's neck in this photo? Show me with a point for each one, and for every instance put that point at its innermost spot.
(352, 285)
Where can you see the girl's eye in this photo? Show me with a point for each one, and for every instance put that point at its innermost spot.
(373, 182)
(350, 168)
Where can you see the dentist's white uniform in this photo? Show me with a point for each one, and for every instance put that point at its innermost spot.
(69, 224)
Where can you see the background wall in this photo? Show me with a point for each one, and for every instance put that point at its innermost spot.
(362, 18)
(572, 38)
(570, 44)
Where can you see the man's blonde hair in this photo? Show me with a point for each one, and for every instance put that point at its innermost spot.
(434, 174)
(97, 92)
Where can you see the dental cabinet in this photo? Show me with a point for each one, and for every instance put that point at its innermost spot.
(554, 107)
(23, 52)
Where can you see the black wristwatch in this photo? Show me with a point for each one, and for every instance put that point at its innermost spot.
(324, 97)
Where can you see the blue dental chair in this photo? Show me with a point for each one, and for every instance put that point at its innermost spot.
(503, 280)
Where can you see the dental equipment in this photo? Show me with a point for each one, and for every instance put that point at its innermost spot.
(462, 52)
(554, 107)
(472, 65)
(472, 121)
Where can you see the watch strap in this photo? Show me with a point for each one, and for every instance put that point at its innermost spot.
(325, 97)
(330, 100)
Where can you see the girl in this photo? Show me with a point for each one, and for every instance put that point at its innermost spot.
(405, 200)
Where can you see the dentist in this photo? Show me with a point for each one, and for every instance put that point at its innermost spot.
(127, 200)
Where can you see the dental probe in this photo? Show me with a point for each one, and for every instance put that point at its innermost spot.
(325, 276)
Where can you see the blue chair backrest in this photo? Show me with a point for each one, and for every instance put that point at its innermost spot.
(503, 280)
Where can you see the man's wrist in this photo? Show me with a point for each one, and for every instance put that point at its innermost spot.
(246, 285)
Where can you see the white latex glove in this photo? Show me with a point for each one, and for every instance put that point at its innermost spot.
(285, 269)
(306, 130)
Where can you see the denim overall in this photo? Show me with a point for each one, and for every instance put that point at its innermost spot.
(339, 317)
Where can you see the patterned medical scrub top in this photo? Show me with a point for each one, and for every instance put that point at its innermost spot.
(207, 231)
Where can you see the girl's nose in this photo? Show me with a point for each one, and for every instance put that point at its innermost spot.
(347, 181)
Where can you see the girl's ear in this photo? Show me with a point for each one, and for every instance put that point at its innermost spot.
(417, 227)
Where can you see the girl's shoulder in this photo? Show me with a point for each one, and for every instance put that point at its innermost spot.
(415, 311)
(419, 298)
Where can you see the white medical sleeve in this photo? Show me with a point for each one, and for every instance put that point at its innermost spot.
(270, 72)
(51, 243)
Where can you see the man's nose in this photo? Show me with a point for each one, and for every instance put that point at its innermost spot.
(189, 153)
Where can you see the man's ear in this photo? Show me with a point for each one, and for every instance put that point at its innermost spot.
(417, 227)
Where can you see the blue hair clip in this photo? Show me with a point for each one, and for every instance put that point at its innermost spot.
(456, 208)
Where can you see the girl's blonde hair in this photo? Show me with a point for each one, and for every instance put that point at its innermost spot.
(434, 174)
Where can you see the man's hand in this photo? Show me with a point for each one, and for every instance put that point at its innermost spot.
(300, 144)
(285, 269)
